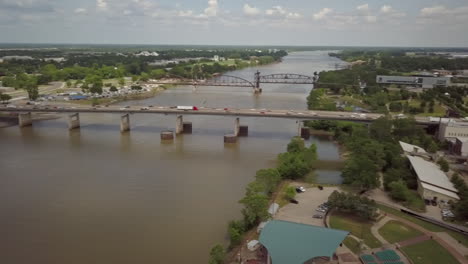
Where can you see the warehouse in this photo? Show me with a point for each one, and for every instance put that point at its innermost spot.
(424, 82)
(433, 184)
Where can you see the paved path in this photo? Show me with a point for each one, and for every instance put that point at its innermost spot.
(414, 240)
(375, 229)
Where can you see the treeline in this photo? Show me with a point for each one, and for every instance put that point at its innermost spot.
(453, 97)
(461, 207)
(293, 164)
(375, 150)
(353, 204)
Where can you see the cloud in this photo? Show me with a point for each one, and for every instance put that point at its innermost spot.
(322, 14)
(439, 14)
(364, 7)
(27, 5)
(80, 11)
(386, 9)
(280, 12)
(212, 9)
(250, 10)
(101, 4)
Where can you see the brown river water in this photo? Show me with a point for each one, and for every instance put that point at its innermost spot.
(96, 196)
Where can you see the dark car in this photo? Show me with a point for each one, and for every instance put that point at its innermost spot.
(294, 201)
(434, 202)
(320, 187)
(427, 201)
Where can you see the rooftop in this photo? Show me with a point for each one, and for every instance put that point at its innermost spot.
(294, 243)
(430, 173)
(410, 148)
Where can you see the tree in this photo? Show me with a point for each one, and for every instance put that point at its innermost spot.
(217, 254)
(235, 229)
(5, 97)
(121, 82)
(144, 77)
(296, 145)
(361, 171)
(255, 204)
(381, 129)
(289, 193)
(398, 190)
(68, 83)
(158, 73)
(444, 166)
(269, 178)
(292, 165)
(113, 89)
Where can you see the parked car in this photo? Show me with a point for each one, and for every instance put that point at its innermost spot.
(294, 201)
(434, 202)
(320, 187)
(321, 210)
(300, 189)
(319, 216)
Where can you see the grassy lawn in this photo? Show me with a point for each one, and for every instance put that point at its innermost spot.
(431, 227)
(394, 231)
(352, 244)
(415, 203)
(358, 227)
(280, 196)
(429, 252)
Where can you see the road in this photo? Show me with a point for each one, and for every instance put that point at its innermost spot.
(289, 114)
(43, 89)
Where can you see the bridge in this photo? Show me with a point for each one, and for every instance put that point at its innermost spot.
(25, 117)
(234, 81)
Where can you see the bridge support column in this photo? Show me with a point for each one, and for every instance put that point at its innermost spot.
(187, 127)
(236, 126)
(243, 131)
(167, 136)
(257, 90)
(231, 138)
(179, 125)
(303, 132)
(24, 119)
(73, 121)
(125, 123)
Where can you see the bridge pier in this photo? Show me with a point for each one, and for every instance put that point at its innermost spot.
(73, 121)
(240, 131)
(125, 123)
(24, 119)
(179, 125)
(257, 90)
(167, 136)
(303, 132)
(231, 138)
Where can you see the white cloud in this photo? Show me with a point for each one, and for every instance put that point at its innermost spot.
(364, 7)
(80, 11)
(276, 11)
(371, 19)
(322, 14)
(101, 4)
(434, 11)
(188, 13)
(250, 10)
(212, 9)
(386, 9)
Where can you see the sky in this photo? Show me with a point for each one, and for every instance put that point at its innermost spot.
(427, 23)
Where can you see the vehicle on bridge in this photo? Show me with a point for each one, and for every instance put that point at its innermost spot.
(186, 108)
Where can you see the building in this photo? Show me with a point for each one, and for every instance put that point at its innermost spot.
(216, 58)
(451, 130)
(416, 81)
(433, 184)
(461, 146)
(294, 243)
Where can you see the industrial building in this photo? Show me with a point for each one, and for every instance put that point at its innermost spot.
(452, 129)
(433, 184)
(415, 81)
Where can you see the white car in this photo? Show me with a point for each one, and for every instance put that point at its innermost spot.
(11, 106)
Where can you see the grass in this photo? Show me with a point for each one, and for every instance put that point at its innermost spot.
(394, 231)
(415, 203)
(280, 197)
(431, 227)
(357, 226)
(352, 244)
(429, 252)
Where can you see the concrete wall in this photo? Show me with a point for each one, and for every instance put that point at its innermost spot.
(453, 130)
(461, 147)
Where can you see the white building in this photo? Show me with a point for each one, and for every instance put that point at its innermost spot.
(424, 82)
(451, 130)
(147, 54)
(216, 58)
(461, 146)
(433, 184)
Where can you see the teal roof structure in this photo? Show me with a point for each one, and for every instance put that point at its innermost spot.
(293, 243)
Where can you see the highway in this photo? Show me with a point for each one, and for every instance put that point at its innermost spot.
(289, 114)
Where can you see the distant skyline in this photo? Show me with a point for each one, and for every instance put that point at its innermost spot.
(428, 23)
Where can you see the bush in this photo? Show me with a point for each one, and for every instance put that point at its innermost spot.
(399, 191)
(444, 166)
(217, 254)
(113, 89)
(290, 193)
(236, 229)
(353, 204)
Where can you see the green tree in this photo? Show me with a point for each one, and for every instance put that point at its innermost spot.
(296, 145)
(255, 205)
(158, 73)
(289, 193)
(68, 83)
(292, 165)
(444, 166)
(398, 190)
(217, 255)
(144, 77)
(269, 178)
(113, 89)
(121, 82)
(381, 129)
(361, 171)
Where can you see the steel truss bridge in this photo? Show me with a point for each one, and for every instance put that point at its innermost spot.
(234, 81)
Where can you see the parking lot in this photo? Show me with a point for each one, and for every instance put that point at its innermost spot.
(306, 208)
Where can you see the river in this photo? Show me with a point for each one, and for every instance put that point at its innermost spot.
(97, 196)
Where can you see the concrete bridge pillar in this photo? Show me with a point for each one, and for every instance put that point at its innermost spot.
(236, 126)
(303, 132)
(24, 119)
(167, 136)
(179, 125)
(73, 121)
(125, 123)
(187, 127)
